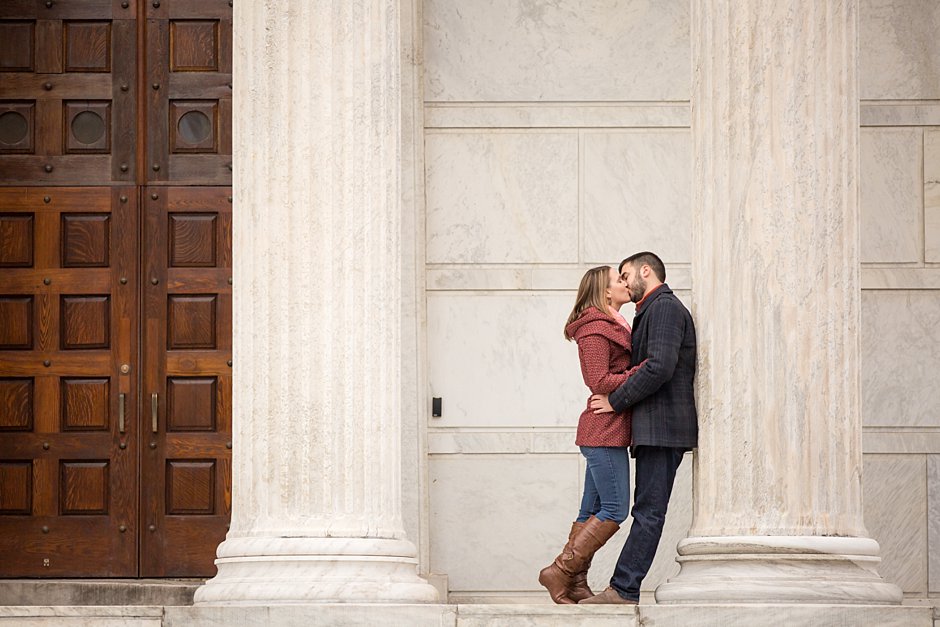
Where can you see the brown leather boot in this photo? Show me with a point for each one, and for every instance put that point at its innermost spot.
(579, 588)
(558, 576)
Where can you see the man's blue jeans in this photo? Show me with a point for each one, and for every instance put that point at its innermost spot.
(606, 483)
(655, 473)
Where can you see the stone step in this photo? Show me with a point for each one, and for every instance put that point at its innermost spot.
(355, 615)
(112, 592)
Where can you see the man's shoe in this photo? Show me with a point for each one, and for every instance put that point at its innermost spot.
(609, 596)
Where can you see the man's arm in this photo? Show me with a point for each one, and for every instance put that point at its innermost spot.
(665, 330)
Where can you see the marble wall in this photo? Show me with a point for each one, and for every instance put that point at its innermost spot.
(556, 137)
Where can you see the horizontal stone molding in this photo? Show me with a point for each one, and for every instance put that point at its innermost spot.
(439, 115)
(526, 277)
(544, 277)
(470, 441)
(556, 115)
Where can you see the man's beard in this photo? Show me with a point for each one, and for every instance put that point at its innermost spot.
(637, 289)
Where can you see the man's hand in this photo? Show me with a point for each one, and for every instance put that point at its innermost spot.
(600, 404)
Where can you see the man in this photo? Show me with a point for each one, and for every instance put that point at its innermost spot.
(665, 423)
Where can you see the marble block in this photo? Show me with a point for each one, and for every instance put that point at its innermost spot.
(559, 51)
(500, 359)
(529, 615)
(900, 341)
(932, 196)
(795, 615)
(495, 521)
(895, 500)
(81, 616)
(891, 194)
(636, 195)
(899, 51)
(319, 615)
(933, 522)
(501, 197)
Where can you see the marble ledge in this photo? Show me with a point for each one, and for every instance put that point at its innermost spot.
(541, 615)
(453, 442)
(666, 114)
(900, 113)
(527, 277)
(545, 277)
(561, 115)
(447, 441)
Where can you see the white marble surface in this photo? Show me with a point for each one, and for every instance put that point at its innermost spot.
(413, 389)
(900, 358)
(790, 615)
(556, 115)
(534, 277)
(80, 616)
(497, 520)
(775, 267)
(494, 615)
(891, 194)
(933, 522)
(320, 615)
(901, 440)
(899, 278)
(501, 197)
(899, 51)
(529, 615)
(932, 196)
(899, 113)
(895, 498)
(637, 195)
(317, 432)
(768, 229)
(564, 50)
(500, 359)
(488, 441)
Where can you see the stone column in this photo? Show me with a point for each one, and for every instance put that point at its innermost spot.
(777, 492)
(316, 391)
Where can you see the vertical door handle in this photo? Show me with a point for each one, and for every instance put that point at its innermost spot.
(121, 398)
(154, 404)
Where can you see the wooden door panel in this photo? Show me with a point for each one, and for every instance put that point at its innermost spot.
(68, 364)
(189, 105)
(186, 459)
(68, 110)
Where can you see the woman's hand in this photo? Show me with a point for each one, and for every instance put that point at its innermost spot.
(600, 404)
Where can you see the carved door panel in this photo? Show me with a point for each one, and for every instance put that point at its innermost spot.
(68, 392)
(187, 382)
(68, 111)
(121, 484)
(189, 104)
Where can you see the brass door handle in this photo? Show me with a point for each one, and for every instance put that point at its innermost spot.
(154, 404)
(121, 398)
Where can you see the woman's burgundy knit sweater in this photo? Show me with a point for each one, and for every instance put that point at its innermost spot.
(604, 349)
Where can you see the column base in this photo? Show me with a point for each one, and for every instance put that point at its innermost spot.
(315, 570)
(778, 569)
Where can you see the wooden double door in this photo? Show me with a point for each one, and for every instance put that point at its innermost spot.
(115, 287)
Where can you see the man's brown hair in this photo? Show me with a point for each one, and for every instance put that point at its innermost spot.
(646, 258)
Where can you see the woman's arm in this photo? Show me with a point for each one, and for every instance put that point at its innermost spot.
(594, 351)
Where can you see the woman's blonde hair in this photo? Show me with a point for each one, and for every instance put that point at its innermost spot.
(591, 293)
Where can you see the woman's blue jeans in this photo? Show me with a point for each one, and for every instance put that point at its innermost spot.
(606, 483)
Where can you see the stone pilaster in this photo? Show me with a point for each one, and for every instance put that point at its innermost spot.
(777, 492)
(317, 309)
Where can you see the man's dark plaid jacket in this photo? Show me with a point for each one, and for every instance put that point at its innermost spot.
(660, 391)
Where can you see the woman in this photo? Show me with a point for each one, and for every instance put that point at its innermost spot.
(603, 338)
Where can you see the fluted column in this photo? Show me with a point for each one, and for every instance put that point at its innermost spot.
(777, 492)
(316, 390)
